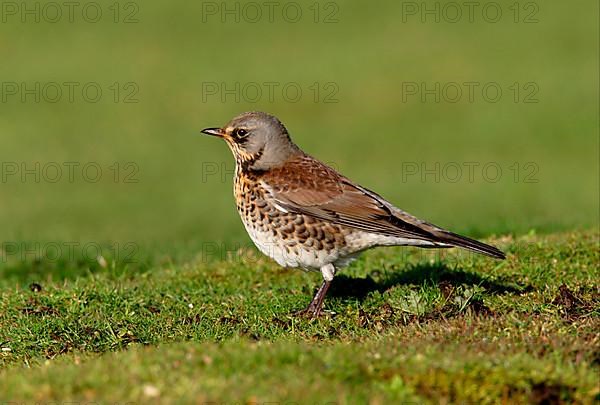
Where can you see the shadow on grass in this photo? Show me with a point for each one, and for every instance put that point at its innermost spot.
(419, 274)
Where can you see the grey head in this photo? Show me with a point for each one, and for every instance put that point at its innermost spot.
(258, 140)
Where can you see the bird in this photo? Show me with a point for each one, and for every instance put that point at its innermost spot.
(304, 214)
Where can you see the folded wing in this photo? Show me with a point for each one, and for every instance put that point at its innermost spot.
(309, 187)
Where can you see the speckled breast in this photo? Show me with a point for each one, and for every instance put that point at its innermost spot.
(291, 239)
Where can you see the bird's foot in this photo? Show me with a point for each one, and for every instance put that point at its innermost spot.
(315, 308)
(311, 313)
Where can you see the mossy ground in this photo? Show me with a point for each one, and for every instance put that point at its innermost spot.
(404, 324)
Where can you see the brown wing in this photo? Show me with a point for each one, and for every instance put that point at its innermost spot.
(307, 186)
(310, 187)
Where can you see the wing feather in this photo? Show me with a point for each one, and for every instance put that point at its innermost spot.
(309, 187)
(306, 186)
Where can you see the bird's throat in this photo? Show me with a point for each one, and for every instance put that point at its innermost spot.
(246, 162)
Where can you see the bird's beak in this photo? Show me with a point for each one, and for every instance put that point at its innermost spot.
(214, 132)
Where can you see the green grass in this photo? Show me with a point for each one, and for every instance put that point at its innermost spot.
(406, 325)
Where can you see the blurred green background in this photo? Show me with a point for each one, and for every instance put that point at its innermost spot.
(373, 132)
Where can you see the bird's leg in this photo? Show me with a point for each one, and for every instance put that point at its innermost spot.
(314, 308)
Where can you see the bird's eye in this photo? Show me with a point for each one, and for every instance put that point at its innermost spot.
(240, 133)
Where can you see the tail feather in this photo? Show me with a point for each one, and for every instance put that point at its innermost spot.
(470, 244)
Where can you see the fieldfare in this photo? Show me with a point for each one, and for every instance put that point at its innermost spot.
(302, 213)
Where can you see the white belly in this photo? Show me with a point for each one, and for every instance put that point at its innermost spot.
(288, 254)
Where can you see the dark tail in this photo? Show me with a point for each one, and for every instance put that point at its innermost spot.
(470, 244)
